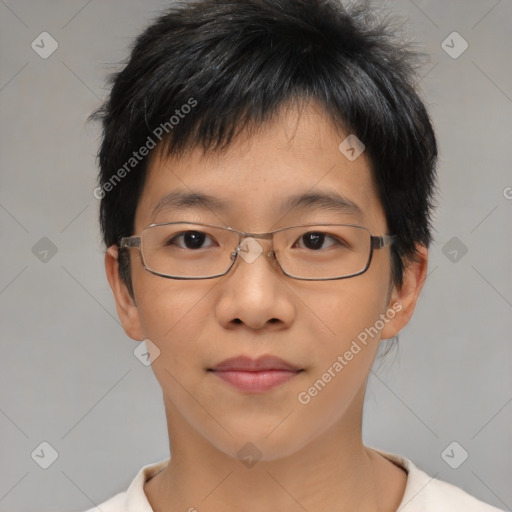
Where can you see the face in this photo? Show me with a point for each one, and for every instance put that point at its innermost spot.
(317, 327)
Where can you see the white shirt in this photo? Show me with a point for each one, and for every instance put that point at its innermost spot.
(422, 492)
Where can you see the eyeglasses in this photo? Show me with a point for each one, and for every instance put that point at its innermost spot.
(315, 252)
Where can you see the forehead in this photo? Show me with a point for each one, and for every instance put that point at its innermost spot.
(292, 164)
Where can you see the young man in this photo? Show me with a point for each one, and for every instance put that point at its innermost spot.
(267, 182)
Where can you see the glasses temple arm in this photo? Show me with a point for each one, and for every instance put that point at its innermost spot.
(379, 242)
(129, 241)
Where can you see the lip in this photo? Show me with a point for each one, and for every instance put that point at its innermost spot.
(247, 364)
(255, 375)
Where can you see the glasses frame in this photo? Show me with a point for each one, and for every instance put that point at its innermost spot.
(377, 242)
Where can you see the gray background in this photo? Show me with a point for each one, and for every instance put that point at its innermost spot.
(68, 373)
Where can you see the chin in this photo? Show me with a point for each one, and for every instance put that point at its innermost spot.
(250, 443)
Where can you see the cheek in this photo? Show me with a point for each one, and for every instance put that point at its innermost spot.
(346, 344)
(173, 315)
(167, 305)
(340, 311)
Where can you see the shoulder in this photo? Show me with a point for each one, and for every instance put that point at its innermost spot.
(424, 493)
(117, 503)
(445, 497)
(134, 498)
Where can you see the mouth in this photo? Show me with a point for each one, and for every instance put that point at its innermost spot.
(255, 375)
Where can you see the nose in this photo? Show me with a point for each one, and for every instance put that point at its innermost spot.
(253, 292)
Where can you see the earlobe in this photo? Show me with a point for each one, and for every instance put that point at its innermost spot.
(125, 305)
(403, 300)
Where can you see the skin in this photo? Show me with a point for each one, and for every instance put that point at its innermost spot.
(313, 456)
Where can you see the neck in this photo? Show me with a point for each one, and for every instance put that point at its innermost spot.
(335, 471)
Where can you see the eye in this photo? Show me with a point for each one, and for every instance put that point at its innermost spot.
(189, 240)
(314, 240)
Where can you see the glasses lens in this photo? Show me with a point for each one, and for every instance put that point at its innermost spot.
(322, 251)
(187, 250)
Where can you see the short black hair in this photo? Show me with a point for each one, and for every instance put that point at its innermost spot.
(206, 70)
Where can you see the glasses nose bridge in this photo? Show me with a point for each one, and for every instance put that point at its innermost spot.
(244, 242)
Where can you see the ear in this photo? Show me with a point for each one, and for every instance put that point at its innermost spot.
(125, 305)
(403, 300)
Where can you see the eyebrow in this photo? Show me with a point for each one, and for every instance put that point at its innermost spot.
(201, 201)
(188, 200)
(323, 201)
